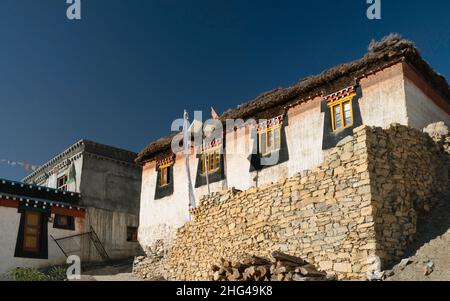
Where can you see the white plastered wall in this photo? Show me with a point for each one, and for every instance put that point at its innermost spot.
(159, 219)
(9, 225)
(422, 108)
(383, 98)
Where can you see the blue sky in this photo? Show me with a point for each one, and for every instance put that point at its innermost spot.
(128, 68)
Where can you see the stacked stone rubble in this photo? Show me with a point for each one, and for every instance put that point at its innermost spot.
(283, 267)
(152, 266)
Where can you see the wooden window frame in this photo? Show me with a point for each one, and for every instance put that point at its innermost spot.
(63, 186)
(270, 144)
(70, 222)
(340, 103)
(37, 236)
(164, 175)
(208, 157)
(134, 234)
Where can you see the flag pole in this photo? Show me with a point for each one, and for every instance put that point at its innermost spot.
(206, 167)
(186, 144)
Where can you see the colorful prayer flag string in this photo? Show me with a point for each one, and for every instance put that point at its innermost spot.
(27, 166)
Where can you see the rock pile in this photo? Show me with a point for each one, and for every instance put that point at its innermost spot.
(290, 268)
(151, 267)
(148, 268)
(283, 268)
(252, 268)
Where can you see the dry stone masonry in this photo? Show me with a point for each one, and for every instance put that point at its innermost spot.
(349, 217)
(409, 175)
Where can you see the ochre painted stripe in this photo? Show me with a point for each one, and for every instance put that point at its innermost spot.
(68, 212)
(421, 83)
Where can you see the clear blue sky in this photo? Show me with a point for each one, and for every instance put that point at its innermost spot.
(128, 68)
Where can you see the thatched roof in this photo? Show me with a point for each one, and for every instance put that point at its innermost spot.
(390, 50)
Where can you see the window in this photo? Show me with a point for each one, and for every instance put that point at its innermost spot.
(32, 232)
(342, 113)
(164, 175)
(62, 183)
(64, 222)
(210, 161)
(269, 140)
(32, 239)
(132, 234)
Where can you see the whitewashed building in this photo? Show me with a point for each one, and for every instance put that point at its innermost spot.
(99, 188)
(390, 84)
(30, 216)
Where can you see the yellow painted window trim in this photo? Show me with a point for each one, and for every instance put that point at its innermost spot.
(340, 103)
(266, 133)
(161, 168)
(206, 161)
(165, 165)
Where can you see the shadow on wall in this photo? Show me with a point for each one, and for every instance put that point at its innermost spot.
(431, 225)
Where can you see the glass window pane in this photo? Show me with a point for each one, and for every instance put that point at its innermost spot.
(62, 183)
(164, 176)
(347, 108)
(337, 117)
(347, 113)
(168, 175)
(262, 143)
(337, 109)
(211, 162)
(217, 160)
(277, 138)
(269, 139)
(132, 234)
(63, 220)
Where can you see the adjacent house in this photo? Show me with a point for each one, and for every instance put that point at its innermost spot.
(30, 216)
(84, 201)
(392, 83)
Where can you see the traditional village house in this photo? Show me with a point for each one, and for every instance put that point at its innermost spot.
(25, 228)
(104, 181)
(390, 84)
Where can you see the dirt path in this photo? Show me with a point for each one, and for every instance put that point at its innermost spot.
(120, 271)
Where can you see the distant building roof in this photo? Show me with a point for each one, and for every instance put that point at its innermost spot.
(390, 50)
(85, 146)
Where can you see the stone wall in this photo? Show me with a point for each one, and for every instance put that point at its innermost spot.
(408, 176)
(362, 202)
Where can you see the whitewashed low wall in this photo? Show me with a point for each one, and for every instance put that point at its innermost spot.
(9, 228)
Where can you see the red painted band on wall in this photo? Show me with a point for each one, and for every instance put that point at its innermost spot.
(69, 212)
(9, 203)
